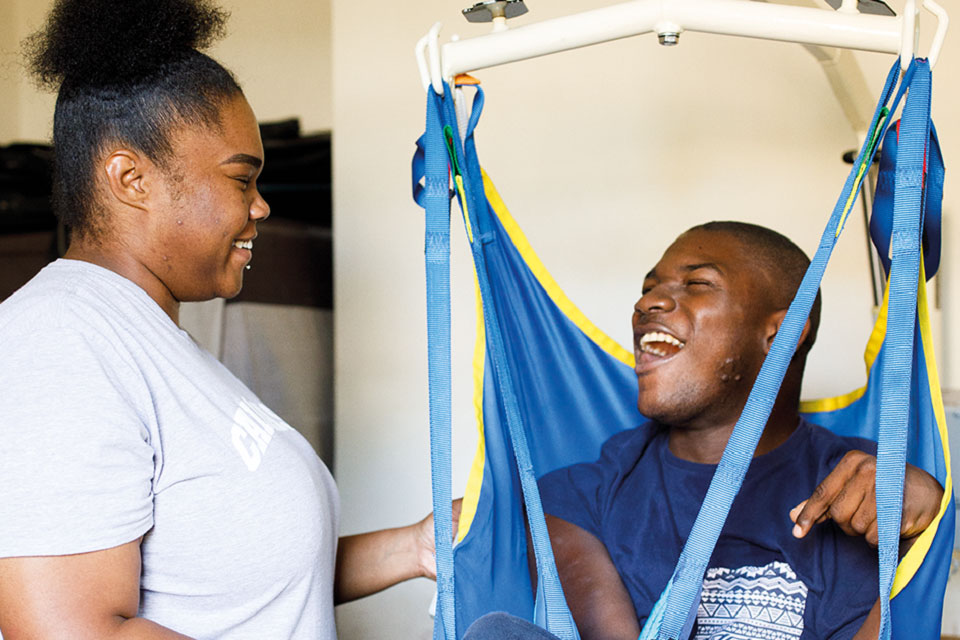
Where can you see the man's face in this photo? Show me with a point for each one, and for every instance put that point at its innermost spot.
(701, 331)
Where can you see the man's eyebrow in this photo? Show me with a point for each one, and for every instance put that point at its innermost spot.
(703, 265)
(244, 158)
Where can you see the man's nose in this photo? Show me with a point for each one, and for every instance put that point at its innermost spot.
(655, 299)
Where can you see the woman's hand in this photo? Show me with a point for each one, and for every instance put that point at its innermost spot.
(426, 549)
(370, 562)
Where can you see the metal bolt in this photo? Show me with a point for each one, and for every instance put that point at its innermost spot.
(669, 39)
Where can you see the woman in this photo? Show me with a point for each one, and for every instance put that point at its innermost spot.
(146, 492)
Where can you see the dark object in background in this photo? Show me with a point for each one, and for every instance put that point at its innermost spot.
(22, 255)
(26, 173)
(28, 228)
(296, 176)
(292, 265)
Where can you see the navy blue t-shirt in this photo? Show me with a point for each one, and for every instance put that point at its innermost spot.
(640, 500)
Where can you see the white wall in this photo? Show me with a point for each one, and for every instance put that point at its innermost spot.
(279, 50)
(604, 155)
(9, 84)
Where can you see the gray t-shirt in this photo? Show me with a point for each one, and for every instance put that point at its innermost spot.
(114, 424)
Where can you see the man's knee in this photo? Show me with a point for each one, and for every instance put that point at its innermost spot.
(503, 626)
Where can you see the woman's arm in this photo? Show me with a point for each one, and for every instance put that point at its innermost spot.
(371, 562)
(88, 595)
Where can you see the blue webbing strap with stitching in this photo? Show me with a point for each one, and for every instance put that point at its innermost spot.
(551, 610)
(431, 162)
(434, 196)
(899, 340)
(683, 591)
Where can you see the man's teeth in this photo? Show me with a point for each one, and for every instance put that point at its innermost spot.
(649, 340)
(243, 244)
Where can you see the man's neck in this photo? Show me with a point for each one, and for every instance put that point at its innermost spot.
(706, 444)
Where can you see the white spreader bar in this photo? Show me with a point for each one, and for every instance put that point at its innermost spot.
(669, 18)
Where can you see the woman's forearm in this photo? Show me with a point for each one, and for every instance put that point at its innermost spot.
(370, 562)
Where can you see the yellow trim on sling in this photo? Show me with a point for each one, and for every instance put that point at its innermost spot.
(471, 495)
(911, 562)
(463, 206)
(869, 355)
(546, 281)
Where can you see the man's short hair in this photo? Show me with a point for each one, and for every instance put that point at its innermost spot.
(778, 256)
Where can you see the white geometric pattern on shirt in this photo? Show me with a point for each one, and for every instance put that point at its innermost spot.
(751, 603)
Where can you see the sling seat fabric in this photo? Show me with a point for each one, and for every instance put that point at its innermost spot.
(571, 387)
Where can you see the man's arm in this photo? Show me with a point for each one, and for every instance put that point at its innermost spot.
(371, 562)
(598, 600)
(92, 596)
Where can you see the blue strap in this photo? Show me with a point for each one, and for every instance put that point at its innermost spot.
(551, 611)
(881, 219)
(435, 197)
(682, 593)
(431, 163)
(899, 340)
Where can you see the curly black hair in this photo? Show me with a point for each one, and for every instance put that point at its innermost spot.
(126, 72)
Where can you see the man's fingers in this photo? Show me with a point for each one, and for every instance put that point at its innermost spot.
(816, 506)
(837, 497)
(865, 519)
(922, 495)
(795, 512)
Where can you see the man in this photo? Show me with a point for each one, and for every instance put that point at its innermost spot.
(710, 310)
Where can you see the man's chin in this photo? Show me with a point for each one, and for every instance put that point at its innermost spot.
(666, 407)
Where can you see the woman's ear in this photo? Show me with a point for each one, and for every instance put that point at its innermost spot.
(125, 171)
(773, 326)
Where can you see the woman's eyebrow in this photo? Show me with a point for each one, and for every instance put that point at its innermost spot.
(244, 158)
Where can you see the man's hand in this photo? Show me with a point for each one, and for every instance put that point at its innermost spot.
(848, 497)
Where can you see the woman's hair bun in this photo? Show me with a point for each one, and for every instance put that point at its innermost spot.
(105, 42)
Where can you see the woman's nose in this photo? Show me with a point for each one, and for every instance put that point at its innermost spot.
(259, 209)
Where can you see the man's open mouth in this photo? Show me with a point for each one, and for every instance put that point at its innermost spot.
(660, 344)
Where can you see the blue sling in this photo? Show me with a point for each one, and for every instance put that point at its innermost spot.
(557, 388)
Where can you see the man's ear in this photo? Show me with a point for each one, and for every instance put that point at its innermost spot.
(126, 177)
(773, 326)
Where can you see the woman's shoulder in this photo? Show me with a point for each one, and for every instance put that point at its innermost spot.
(53, 299)
(70, 296)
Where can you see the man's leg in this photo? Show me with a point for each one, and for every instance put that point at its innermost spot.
(503, 626)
